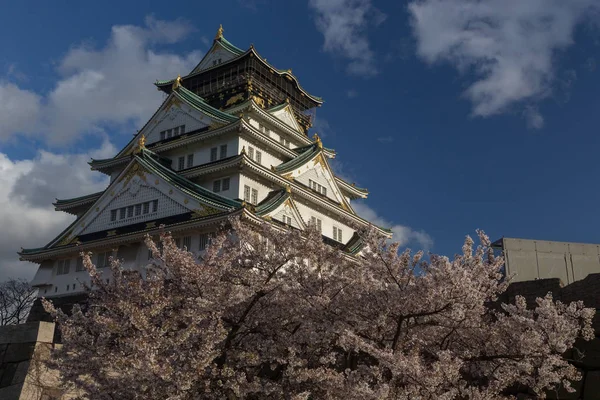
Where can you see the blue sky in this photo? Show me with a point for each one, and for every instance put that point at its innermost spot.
(456, 114)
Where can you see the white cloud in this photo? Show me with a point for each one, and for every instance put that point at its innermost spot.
(402, 234)
(18, 109)
(28, 189)
(111, 86)
(510, 45)
(533, 117)
(343, 23)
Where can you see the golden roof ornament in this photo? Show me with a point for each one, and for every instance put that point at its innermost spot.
(141, 144)
(317, 140)
(219, 32)
(288, 189)
(177, 83)
(243, 150)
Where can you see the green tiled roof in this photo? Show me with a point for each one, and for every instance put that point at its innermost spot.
(273, 200)
(198, 102)
(151, 161)
(309, 152)
(230, 47)
(354, 245)
(90, 197)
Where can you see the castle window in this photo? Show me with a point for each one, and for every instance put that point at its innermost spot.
(62, 267)
(225, 184)
(163, 135)
(337, 234)
(134, 210)
(190, 160)
(182, 129)
(254, 196)
(187, 242)
(258, 158)
(251, 152)
(287, 220)
(314, 221)
(217, 186)
(102, 259)
(203, 241)
(223, 151)
(317, 188)
(213, 154)
(79, 265)
(247, 193)
(176, 131)
(181, 164)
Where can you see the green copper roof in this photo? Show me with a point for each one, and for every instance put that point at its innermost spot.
(278, 107)
(272, 201)
(88, 197)
(151, 161)
(310, 152)
(354, 245)
(198, 102)
(229, 47)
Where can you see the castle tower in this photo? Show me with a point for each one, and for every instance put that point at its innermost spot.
(229, 139)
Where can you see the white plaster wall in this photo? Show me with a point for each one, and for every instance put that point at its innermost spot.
(174, 116)
(234, 182)
(319, 175)
(267, 158)
(273, 132)
(263, 190)
(287, 211)
(215, 54)
(327, 223)
(201, 151)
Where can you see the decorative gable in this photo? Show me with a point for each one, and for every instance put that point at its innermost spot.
(288, 214)
(137, 195)
(217, 55)
(321, 181)
(286, 115)
(173, 119)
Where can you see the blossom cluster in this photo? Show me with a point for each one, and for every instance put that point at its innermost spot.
(267, 312)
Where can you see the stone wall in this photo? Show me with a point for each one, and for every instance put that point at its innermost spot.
(586, 355)
(19, 346)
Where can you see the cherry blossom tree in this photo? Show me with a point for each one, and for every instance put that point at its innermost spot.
(276, 313)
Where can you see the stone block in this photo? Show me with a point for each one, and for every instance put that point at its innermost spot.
(8, 373)
(18, 352)
(29, 332)
(21, 372)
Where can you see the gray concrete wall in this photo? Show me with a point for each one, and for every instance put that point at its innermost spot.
(538, 259)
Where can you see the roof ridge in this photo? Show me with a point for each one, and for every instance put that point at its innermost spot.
(73, 199)
(300, 159)
(200, 104)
